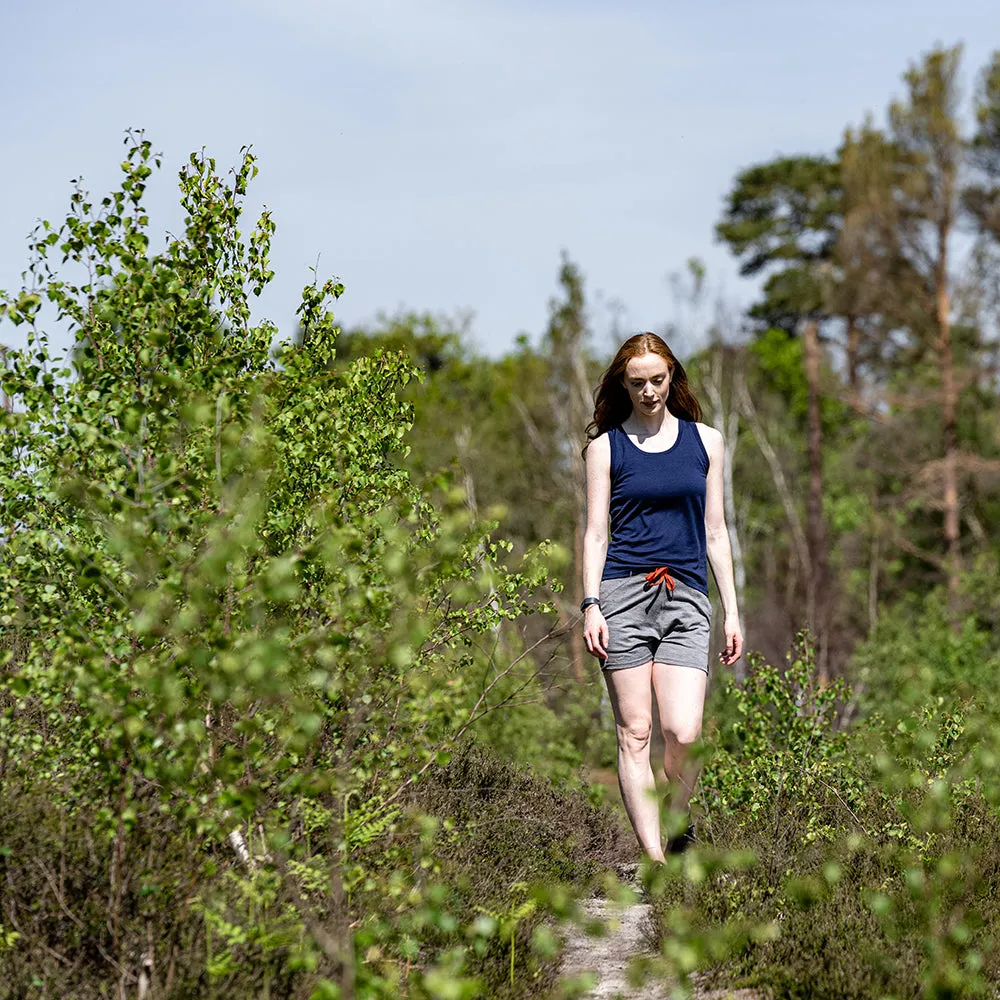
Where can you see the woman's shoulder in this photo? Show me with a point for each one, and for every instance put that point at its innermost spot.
(707, 431)
(711, 438)
(600, 445)
(600, 454)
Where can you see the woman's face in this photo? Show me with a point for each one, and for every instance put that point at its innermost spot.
(647, 381)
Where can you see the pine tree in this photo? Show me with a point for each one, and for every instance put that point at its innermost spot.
(783, 218)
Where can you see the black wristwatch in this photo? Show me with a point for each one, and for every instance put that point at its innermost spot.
(587, 601)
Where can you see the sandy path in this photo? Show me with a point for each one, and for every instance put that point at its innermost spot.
(608, 955)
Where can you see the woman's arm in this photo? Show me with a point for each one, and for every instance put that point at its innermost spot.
(720, 553)
(595, 540)
(595, 537)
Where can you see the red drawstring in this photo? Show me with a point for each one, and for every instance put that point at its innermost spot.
(662, 573)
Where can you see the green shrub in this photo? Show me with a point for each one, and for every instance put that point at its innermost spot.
(234, 618)
(875, 846)
(915, 656)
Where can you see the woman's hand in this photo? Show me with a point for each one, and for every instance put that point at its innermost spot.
(734, 640)
(595, 631)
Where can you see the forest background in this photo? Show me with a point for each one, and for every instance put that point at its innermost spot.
(295, 695)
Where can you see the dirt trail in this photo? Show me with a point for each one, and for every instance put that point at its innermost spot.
(608, 956)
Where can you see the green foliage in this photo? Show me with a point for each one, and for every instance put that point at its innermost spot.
(875, 846)
(783, 217)
(779, 754)
(916, 657)
(249, 626)
(229, 604)
(778, 357)
(982, 198)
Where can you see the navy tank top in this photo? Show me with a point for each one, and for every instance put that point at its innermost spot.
(657, 508)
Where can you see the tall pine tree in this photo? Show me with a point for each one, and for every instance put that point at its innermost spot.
(782, 219)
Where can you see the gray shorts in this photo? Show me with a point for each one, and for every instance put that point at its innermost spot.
(648, 622)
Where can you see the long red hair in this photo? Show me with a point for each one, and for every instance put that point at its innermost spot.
(612, 405)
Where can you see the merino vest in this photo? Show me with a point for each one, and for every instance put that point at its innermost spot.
(657, 508)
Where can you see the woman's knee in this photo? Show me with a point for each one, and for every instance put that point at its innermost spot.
(633, 737)
(682, 735)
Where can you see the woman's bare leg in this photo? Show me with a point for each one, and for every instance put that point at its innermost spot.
(680, 698)
(632, 702)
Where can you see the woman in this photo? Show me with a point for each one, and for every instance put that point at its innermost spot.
(657, 472)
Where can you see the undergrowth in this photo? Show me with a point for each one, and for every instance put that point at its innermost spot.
(450, 882)
(875, 848)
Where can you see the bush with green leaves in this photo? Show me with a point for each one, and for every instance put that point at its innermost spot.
(916, 654)
(874, 839)
(230, 618)
(778, 741)
(243, 652)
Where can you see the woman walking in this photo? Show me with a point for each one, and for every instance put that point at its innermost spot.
(657, 472)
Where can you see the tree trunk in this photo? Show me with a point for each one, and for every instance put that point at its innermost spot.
(580, 410)
(853, 347)
(739, 563)
(815, 526)
(800, 545)
(873, 565)
(572, 408)
(578, 650)
(8, 403)
(727, 423)
(949, 419)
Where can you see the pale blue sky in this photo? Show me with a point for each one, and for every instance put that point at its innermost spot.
(438, 155)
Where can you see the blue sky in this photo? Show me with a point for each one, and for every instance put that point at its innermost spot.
(439, 155)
